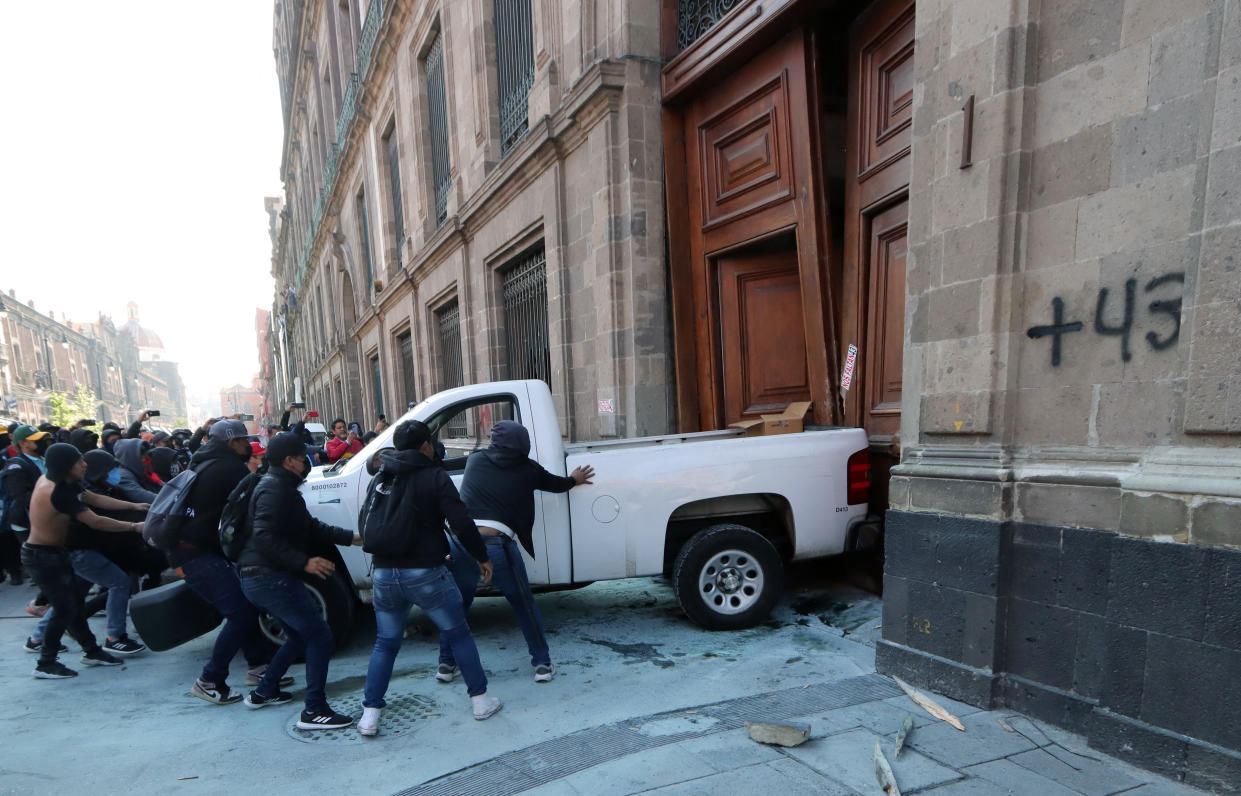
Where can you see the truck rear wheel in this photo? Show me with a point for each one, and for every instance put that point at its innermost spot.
(334, 599)
(727, 577)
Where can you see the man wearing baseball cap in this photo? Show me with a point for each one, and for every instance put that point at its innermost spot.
(221, 463)
(21, 472)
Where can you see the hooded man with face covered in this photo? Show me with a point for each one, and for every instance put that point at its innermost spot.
(57, 501)
(83, 439)
(498, 490)
(130, 553)
(133, 454)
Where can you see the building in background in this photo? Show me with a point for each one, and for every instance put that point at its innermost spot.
(245, 400)
(127, 369)
(473, 192)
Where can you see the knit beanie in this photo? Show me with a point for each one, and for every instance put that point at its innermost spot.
(59, 460)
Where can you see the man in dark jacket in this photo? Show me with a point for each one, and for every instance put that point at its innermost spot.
(421, 491)
(135, 456)
(498, 490)
(219, 464)
(109, 436)
(284, 544)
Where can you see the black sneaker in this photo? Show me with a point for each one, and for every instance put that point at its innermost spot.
(254, 676)
(123, 646)
(326, 719)
(17, 577)
(53, 671)
(255, 700)
(215, 694)
(97, 657)
(37, 646)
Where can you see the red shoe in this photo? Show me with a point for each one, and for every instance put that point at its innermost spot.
(36, 610)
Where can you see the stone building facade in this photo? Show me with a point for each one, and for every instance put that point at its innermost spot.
(39, 355)
(1065, 526)
(473, 193)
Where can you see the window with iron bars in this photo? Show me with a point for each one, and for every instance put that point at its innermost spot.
(524, 289)
(364, 232)
(437, 111)
(448, 331)
(394, 184)
(377, 385)
(405, 349)
(514, 68)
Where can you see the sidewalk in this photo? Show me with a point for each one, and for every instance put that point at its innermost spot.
(706, 750)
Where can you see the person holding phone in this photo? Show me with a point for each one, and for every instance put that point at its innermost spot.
(344, 442)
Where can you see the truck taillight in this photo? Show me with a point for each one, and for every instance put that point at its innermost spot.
(859, 478)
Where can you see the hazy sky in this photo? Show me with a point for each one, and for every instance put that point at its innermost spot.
(139, 139)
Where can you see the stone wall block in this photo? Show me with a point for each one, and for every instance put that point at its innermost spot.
(1054, 415)
(967, 364)
(1154, 515)
(909, 544)
(967, 561)
(1084, 555)
(1035, 572)
(1095, 507)
(1092, 94)
(1073, 32)
(1158, 587)
(1077, 166)
(895, 608)
(1223, 612)
(952, 311)
(1015, 57)
(1154, 210)
(1139, 744)
(1040, 642)
(979, 646)
(1214, 368)
(971, 71)
(1230, 36)
(971, 252)
(1212, 769)
(975, 21)
(941, 414)
(1219, 269)
(961, 497)
(1163, 138)
(1179, 58)
(1223, 197)
(1218, 522)
(1051, 235)
(1090, 656)
(961, 198)
(1209, 710)
(1146, 18)
(1124, 669)
(937, 620)
(922, 271)
(1140, 414)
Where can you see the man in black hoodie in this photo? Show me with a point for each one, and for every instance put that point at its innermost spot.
(414, 572)
(83, 439)
(498, 490)
(284, 544)
(220, 464)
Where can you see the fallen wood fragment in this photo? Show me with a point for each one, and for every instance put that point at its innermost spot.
(929, 705)
(778, 734)
(1004, 725)
(883, 772)
(906, 726)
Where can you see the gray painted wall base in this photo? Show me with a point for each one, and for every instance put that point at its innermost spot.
(1133, 643)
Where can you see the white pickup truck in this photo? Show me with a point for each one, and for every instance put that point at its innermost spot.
(716, 511)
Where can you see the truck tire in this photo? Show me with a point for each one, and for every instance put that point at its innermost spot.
(727, 577)
(336, 601)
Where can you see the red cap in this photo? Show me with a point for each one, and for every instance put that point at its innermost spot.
(257, 450)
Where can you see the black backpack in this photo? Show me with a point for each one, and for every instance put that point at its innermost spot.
(170, 510)
(235, 527)
(384, 532)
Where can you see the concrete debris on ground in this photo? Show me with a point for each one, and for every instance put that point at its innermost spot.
(778, 734)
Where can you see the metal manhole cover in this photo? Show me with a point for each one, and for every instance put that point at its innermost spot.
(405, 713)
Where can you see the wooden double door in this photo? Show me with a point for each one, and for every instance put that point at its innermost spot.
(788, 184)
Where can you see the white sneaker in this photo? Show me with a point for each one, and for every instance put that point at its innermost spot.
(543, 672)
(485, 706)
(446, 672)
(369, 723)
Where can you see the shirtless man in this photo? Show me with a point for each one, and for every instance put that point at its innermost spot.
(59, 498)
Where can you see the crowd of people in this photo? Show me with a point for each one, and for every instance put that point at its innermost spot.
(76, 502)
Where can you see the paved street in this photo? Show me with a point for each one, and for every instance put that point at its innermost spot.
(642, 700)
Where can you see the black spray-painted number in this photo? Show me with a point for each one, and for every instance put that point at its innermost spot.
(1112, 328)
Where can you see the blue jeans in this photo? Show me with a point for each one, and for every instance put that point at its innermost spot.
(286, 598)
(95, 567)
(511, 579)
(214, 578)
(432, 590)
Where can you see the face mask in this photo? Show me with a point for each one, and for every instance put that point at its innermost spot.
(114, 476)
(41, 446)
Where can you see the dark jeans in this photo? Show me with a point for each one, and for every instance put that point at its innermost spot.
(510, 578)
(10, 551)
(49, 567)
(432, 590)
(215, 579)
(286, 598)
